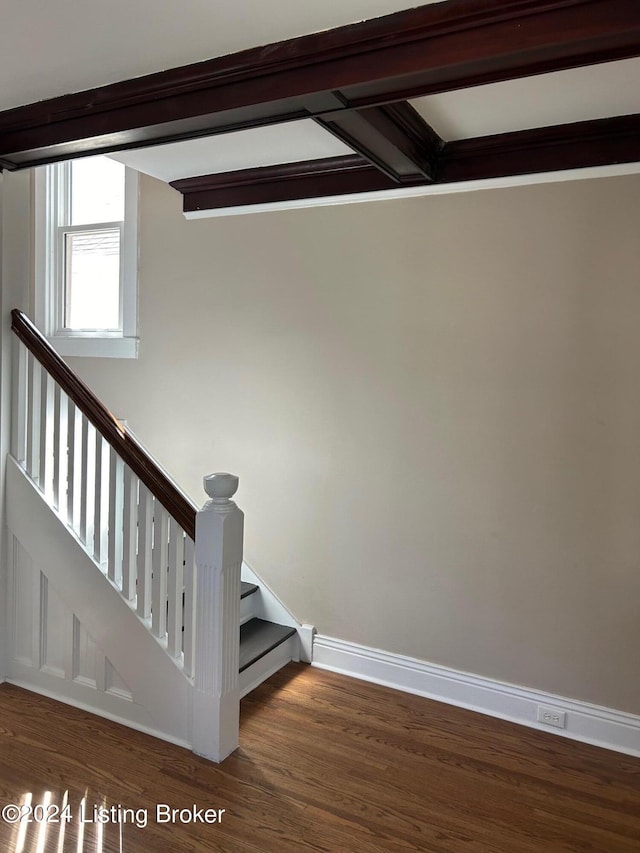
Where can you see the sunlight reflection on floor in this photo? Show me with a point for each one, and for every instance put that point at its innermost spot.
(51, 825)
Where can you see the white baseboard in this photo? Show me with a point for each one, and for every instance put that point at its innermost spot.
(588, 723)
(306, 634)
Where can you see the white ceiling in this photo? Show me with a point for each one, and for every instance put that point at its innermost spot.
(244, 149)
(53, 47)
(579, 94)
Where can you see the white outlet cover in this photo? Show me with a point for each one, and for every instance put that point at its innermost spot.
(552, 717)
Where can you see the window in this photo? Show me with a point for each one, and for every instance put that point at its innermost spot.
(87, 257)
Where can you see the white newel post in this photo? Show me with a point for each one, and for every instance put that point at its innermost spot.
(218, 554)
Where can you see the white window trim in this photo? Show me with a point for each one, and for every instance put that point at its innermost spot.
(48, 206)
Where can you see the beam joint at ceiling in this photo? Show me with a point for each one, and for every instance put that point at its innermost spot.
(394, 138)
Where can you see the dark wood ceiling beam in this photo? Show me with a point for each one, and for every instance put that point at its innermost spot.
(286, 182)
(580, 145)
(515, 39)
(395, 138)
(570, 146)
(443, 46)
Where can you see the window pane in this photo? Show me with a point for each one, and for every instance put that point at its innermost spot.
(92, 279)
(97, 191)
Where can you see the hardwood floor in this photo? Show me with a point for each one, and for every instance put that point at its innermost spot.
(326, 763)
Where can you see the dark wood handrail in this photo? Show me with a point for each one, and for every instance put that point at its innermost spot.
(107, 425)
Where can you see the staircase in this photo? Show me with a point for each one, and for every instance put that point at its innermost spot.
(125, 598)
(265, 647)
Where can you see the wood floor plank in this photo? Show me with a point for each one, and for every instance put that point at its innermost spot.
(326, 765)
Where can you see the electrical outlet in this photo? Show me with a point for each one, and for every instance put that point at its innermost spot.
(552, 717)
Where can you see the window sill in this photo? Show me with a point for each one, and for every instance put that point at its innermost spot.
(95, 347)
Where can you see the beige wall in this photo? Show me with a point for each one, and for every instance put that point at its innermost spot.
(434, 409)
(15, 268)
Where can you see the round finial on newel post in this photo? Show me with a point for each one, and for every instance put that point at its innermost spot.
(220, 487)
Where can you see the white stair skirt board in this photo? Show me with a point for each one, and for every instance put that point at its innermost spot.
(266, 605)
(588, 723)
(268, 665)
(77, 593)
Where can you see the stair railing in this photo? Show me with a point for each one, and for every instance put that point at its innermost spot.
(178, 566)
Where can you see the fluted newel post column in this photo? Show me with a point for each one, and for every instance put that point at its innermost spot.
(218, 552)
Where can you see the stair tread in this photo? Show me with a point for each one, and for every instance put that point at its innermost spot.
(258, 638)
(247, 589)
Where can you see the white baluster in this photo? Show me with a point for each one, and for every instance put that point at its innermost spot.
(44, 430)
(71, 462)
(19, 402)
(188, 618)
(145, 532)
(33, 418)
(216, 706)
(160, 567)
(175, 589)
(130, 534)
(56, 444)
(116, 486)
(84, 476)
(98, 553)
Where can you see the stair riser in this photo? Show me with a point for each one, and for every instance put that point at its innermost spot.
(269, 664)
(247, 607)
